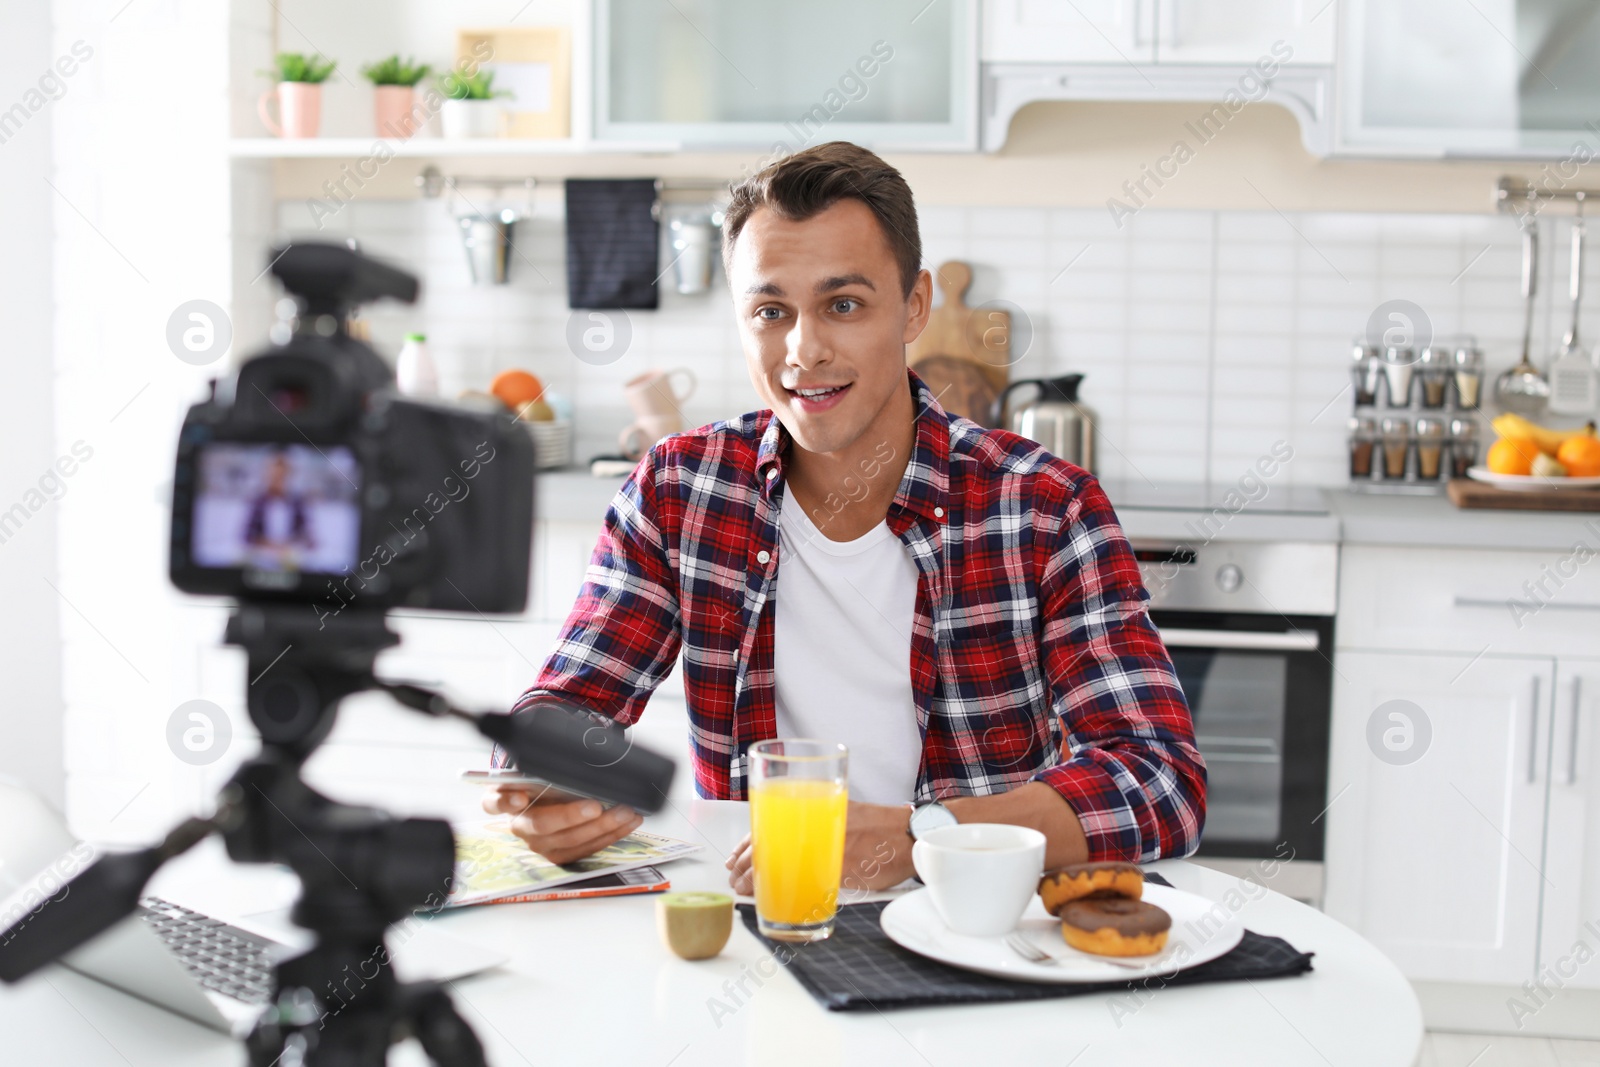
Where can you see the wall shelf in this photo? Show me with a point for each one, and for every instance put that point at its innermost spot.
(432, 147)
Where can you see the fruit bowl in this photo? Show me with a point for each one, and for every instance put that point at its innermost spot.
(1529, 482)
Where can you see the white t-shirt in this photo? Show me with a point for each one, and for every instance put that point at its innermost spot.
(842, 651)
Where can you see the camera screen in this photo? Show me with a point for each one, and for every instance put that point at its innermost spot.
(280, 508)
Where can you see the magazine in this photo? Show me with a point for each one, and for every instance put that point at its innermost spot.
(493, 864)
(622, 883)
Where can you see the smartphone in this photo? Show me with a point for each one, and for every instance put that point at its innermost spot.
(542, 790)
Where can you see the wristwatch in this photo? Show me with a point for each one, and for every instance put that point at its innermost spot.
(928, 817)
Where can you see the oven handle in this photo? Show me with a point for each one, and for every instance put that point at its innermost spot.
(1299, 641)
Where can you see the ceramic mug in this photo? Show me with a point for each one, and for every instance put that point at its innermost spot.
(981, 876)
(637, 438)
(299, 107)
(651, 393)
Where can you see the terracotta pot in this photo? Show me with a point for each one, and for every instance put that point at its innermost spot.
(299, 108)
(391, 109)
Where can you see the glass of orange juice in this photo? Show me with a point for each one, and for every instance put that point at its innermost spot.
(797, 811)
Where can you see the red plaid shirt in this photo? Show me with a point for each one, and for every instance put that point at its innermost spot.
(1032, 654)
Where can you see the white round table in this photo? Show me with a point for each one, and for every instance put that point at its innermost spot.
(590, 983)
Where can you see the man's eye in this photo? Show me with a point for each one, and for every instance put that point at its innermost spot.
(769, 314)
(845, 305)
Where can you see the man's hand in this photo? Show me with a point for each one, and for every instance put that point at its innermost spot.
(877, 850)
(561, 832)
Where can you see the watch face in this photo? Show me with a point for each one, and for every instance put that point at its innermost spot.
(930, 817)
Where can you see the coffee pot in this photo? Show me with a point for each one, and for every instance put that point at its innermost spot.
(1053, 417)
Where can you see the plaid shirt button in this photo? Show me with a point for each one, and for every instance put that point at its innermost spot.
(763, 556)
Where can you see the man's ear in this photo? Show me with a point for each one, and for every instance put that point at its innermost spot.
(919, 306)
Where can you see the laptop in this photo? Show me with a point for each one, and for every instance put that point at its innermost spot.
(217, 973)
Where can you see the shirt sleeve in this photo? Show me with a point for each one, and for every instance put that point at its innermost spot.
(622, 636)
(1131, 770)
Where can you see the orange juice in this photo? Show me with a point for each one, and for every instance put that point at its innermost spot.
(797, 830)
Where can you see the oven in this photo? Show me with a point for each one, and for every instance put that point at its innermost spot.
(1249, 627)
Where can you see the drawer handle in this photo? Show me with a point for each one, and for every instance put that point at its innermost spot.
(1527, 605)
(1299, 641)
(1572, 737)
(1533, 734)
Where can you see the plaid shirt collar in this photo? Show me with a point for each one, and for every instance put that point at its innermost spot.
(925, 486)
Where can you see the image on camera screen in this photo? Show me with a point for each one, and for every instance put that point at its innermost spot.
(282, 508)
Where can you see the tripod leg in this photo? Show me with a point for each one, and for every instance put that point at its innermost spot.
(440, 1029)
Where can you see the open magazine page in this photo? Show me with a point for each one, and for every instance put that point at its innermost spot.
(492, 863)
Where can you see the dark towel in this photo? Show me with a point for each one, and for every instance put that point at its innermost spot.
(613, 243)
(860, 969)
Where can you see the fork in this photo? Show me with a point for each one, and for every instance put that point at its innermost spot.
(1034, 954)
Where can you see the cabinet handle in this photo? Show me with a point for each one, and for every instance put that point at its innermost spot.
(1572, 737)
(1533, 734)
(1529, 605)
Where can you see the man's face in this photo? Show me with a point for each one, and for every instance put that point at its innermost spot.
(823, 320)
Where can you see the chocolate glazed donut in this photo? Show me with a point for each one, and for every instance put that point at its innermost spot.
(1114, 926)
(1080, 881)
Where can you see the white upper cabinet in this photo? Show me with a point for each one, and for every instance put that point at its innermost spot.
(1495, 78)
(782, 76)
(1069, 31)
(1242, 31)
(1158, 31)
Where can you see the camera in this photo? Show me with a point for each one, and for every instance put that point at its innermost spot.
(307, 478)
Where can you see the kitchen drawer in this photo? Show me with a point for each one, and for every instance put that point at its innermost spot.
(1449, 600)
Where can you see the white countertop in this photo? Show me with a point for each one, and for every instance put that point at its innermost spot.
(589, 982)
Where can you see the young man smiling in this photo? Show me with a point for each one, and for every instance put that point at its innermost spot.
(955, 604)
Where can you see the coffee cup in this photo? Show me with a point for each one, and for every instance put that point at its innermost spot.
(980, 875)
(652, 392)
(637, 437)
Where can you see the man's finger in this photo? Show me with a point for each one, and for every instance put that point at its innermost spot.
(554, 818)
(567, 853)
(500, 800)
(617, 823)
(741, 849)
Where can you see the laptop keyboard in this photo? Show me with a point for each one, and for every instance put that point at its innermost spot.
(223, 958)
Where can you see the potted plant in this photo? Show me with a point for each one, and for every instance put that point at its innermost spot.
(470, 108)
(394, 94)
(299, 93)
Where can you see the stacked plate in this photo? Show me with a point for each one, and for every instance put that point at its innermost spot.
(552, 443)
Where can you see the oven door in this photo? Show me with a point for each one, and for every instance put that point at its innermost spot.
(1260, 689)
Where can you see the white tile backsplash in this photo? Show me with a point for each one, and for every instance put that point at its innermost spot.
(1204, 336)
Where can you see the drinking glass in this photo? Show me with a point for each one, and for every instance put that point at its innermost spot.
(798, 797)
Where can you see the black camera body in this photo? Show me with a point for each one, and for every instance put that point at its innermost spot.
(307, 478)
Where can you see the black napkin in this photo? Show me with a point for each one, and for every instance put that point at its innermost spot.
(860, 969)
(613, 242)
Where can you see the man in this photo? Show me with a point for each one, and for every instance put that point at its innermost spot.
(957, 606)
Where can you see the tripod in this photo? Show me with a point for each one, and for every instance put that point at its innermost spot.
(338, 1004)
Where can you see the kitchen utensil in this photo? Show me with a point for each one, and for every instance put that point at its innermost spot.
(1196, 936)
(1396, 442)
(1430, 448)
(1572, 376)
(1468, 362)
(1363, 442)
(1433, 367)
(1054, 418)
(1463, 446)
(488, 240)
(981, 875)
(1365, 370)
(695, 241)
(963, 354)
(1399, 368)
(1034, 954)
(1522, 389)
(652, 393)
(1523, 483)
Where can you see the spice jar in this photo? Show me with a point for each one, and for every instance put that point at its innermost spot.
(1468, 363)
(1463, 446)
(1434, 366)
(1398, 361)
(1430, 448)
(1396, 443)
(1363, 440)
(1365, 370)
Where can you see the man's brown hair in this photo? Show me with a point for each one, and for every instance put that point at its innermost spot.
(806, 183)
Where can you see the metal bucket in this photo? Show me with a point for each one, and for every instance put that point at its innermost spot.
(488, 240)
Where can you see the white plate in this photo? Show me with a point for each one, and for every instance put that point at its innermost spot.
(1528, 481)
(1201, 930)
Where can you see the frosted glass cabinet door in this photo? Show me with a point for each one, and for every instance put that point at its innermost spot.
(1243, 31)
(784, 76)
(1496, 78)
(1069, 31)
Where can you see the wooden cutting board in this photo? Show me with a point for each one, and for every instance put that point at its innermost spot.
(964, 354)
(1466, 493)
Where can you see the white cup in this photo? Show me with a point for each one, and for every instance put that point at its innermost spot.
(980, 875)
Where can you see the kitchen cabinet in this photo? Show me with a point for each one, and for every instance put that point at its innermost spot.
(1508, 79)
(781, 76)
(1572, 832)
(1157, 31)
(1436, 860)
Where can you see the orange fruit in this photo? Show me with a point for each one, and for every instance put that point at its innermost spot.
(516, 388)
(1512, 455)
(1581, 456)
